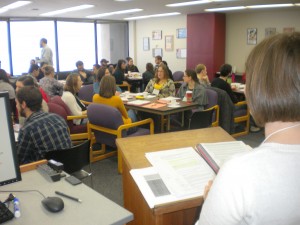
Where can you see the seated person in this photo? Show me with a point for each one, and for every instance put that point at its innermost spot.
(51, 86)
(42, 131)
(148, 74)
(191, 83)
(5, 85)
(202, 75)
(161, 85)
(85, 75)
(221, 82)
(34, 71)
(100, 74)
(130, 67)
(71, 88)
(262, 186)
(107, 96)
(169, 71)
(119, 73)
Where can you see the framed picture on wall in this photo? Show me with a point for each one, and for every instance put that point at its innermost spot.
(288, 30)
(252, 36)
(156, 35)
(157, 51)
(270, 31)
(169, 42)
(181, 53)
(146, 44)
(181, 33)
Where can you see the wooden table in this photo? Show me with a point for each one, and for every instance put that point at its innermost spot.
(164, 111)
(133, 155)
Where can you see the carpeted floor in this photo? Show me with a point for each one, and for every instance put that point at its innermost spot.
(108, 182)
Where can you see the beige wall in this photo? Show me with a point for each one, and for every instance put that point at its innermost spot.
(144, 28)
(237, 49)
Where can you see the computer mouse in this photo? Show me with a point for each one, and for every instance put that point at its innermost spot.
(53, 204)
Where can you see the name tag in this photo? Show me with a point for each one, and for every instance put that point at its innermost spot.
(155, 91)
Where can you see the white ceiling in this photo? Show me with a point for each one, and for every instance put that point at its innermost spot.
(149, 7)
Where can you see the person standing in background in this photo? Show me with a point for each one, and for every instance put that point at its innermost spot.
(46, 54)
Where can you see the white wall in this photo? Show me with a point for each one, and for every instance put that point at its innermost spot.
(144, 28)
(237, 49)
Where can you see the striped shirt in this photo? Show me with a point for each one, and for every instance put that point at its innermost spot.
(42, 132)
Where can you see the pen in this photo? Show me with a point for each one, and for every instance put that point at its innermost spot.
(68, 196)
(17, 211)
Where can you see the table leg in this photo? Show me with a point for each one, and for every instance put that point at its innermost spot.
(182, 119)
(168, 123)
(162, 124)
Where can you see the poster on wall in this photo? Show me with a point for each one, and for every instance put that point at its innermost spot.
(169, 42)
(288, 30)
(181, 53)
(156, 35)
(270, 31)
(157, 51)
(252, 36)
(181, 33)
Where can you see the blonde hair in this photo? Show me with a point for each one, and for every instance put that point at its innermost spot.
(199, 68)
(48, 70)
(273, 79)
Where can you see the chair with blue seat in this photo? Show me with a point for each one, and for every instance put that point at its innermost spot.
(105, 125)
(86, 94)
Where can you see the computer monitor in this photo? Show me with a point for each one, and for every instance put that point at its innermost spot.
(9, 165)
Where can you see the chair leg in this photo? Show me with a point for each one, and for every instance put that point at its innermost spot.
(120, 170)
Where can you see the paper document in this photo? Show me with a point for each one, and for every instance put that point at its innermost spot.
(183, 170)
(138, 102)
(153, 187)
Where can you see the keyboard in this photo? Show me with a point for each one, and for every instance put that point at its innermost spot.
(5, 213)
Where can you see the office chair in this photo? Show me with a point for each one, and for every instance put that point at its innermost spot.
(86, 94)
(213, 102)
(242, 116)
(201, 119)
(74, 159)
(105, 125)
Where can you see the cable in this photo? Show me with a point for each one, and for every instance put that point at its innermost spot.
(25, 191)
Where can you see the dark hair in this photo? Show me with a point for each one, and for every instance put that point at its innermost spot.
(273, 84)
(33, 67)
(119, 65)
(79, 63)
(149, 67)
(225, 70)
(128, 59)
(165, 62)
(199, 68)
(44, 40)
(3, 76)
(31, 96)
(158, 57)
(71, 84)
(97, 66)
(27, 81)
(107, 87)
(192, 74)
(100, 74)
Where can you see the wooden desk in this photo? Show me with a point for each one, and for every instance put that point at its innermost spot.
(94, 209)
(164, 111)
(133, 154)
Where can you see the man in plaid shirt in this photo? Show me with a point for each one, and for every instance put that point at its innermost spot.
(42, 131)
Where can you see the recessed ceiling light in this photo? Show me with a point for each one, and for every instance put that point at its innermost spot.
(14, 6)
(71, 9)
(152, 16)
(225, 9)
(269, 6)
(114, 13)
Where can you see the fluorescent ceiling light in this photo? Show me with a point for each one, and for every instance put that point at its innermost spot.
(14, 6)
(269, 6)
(189, 3)
(225, 9)
(114, 13)
(72, 9)
(297, 4)
(152, 16)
